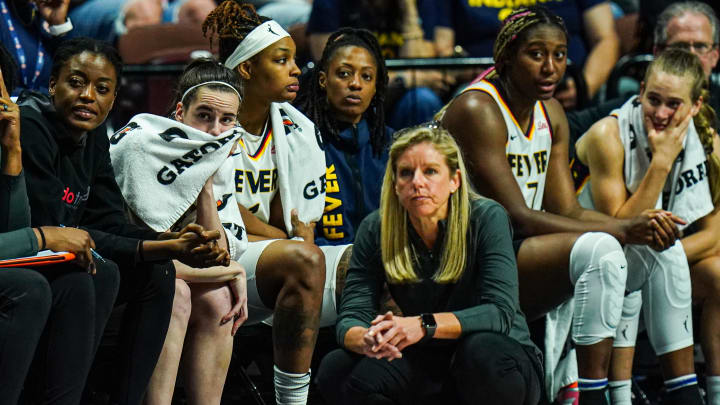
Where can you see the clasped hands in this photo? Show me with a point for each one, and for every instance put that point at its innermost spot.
(197, 247)
(388, 335)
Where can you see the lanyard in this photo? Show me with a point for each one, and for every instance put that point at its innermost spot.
(29, 82)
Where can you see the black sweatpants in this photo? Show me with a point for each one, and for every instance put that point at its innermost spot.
(79, 306)
(25, 300)
(148, 290)
(486, 368)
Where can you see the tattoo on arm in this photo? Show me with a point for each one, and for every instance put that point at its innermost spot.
(341, 274)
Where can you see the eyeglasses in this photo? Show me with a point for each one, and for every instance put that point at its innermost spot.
(699, 48)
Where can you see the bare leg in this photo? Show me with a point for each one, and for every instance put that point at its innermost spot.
(290, 279)
(621, 364)
(677, 363)
(705, 276)
(208, 345)
(543, 265)
(162, 383)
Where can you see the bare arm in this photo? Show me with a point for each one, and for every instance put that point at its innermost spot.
(605, 46)
(477, 124)
(444, 41)
(705, 242)
(603, 152)
(214, 274)
(258, 229)
(207, 213)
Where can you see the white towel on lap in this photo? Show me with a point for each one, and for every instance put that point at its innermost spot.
(301, 164)
(161, 165)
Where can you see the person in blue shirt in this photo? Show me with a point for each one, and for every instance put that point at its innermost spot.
(344, 96)
(31, 31)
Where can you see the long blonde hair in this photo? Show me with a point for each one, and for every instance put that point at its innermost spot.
(397, 254)
(683, 63)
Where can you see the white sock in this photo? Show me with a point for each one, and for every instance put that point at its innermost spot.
(620, 392)
(679, 382)
(291, 389)
(712, 383)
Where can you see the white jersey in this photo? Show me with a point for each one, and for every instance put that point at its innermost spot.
(687, 190)
(527, 153)
(256, 175)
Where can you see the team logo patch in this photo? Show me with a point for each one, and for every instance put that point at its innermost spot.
(171, 133)
(117, 136)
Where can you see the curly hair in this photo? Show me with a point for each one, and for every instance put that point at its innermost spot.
(312, 99)
(230, 23)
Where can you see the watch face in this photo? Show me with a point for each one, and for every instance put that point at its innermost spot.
(428, 320)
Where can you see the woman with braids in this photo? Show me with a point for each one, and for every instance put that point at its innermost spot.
(281, 193)
(447, 257)
(515, 136)
(659, 150)
(344, 97)
(210, 304)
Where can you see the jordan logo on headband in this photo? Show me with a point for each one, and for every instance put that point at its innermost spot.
(271, 31)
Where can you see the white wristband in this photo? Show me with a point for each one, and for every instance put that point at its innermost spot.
(60, 29)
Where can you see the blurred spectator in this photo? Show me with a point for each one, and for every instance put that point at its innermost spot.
(693, 26)
(649, 12)
(31, 30)
(107, 19)
(149, 12)
(593, 44)
(404, 29)
(287, 13)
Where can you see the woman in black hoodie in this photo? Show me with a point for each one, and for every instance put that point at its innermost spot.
(70, 182)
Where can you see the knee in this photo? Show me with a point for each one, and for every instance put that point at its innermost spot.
(107, 281)
(307, 272)
(182, 303)
(482, 355)
(333, 370)
(600, 253)
(711, 269)
(211, 304)
(26, 291)
(161, 279)
(490, 363)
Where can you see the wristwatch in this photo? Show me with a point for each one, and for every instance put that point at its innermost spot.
(427, 321)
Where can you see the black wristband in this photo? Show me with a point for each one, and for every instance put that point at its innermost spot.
(42, 238)
(428, 323)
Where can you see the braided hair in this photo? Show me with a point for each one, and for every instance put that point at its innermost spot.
(513, 32)
(312, 99)
(515, 29)
(683, 63)
(231, 22)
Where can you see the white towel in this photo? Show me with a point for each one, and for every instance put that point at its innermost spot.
(687, 190)
(300, 164)
(161, 165)
(560, 365)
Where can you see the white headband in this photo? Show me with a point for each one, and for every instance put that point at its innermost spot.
(258, 39)
(210, 82)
